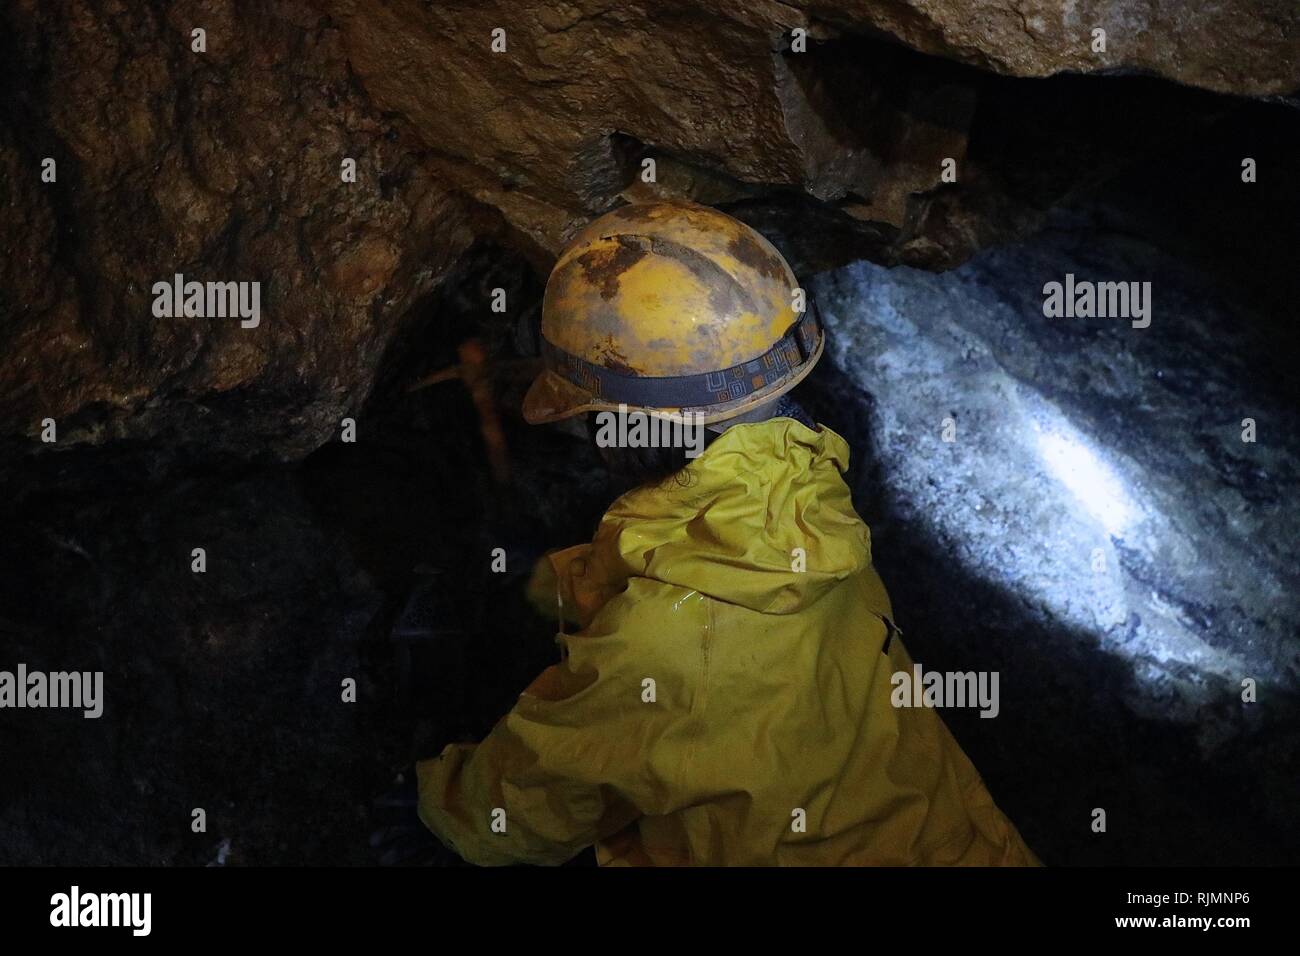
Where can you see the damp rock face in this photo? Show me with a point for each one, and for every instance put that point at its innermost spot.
(1249, 47)
(224, 165)
(787, 112)
(1070, 501)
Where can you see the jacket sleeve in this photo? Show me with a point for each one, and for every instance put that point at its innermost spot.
(568, 585)
(550, 590)
(545, 783)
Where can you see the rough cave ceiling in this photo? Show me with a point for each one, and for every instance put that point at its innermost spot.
(166, 159)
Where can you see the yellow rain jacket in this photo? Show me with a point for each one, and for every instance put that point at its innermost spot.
(719, 705)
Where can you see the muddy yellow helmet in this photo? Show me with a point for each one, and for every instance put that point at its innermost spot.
(670, 307)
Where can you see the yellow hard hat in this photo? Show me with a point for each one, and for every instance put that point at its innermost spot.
(670, 307)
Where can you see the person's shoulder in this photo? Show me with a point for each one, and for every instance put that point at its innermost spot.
(647, 621)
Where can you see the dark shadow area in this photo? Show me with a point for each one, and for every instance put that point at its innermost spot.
(417, 505)
(888, 118)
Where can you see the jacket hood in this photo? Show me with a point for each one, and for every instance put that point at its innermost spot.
(729, 524)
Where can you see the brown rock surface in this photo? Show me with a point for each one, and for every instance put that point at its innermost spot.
(1249, 47)
(221, 166)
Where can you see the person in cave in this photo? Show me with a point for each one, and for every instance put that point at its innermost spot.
(725, 692)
